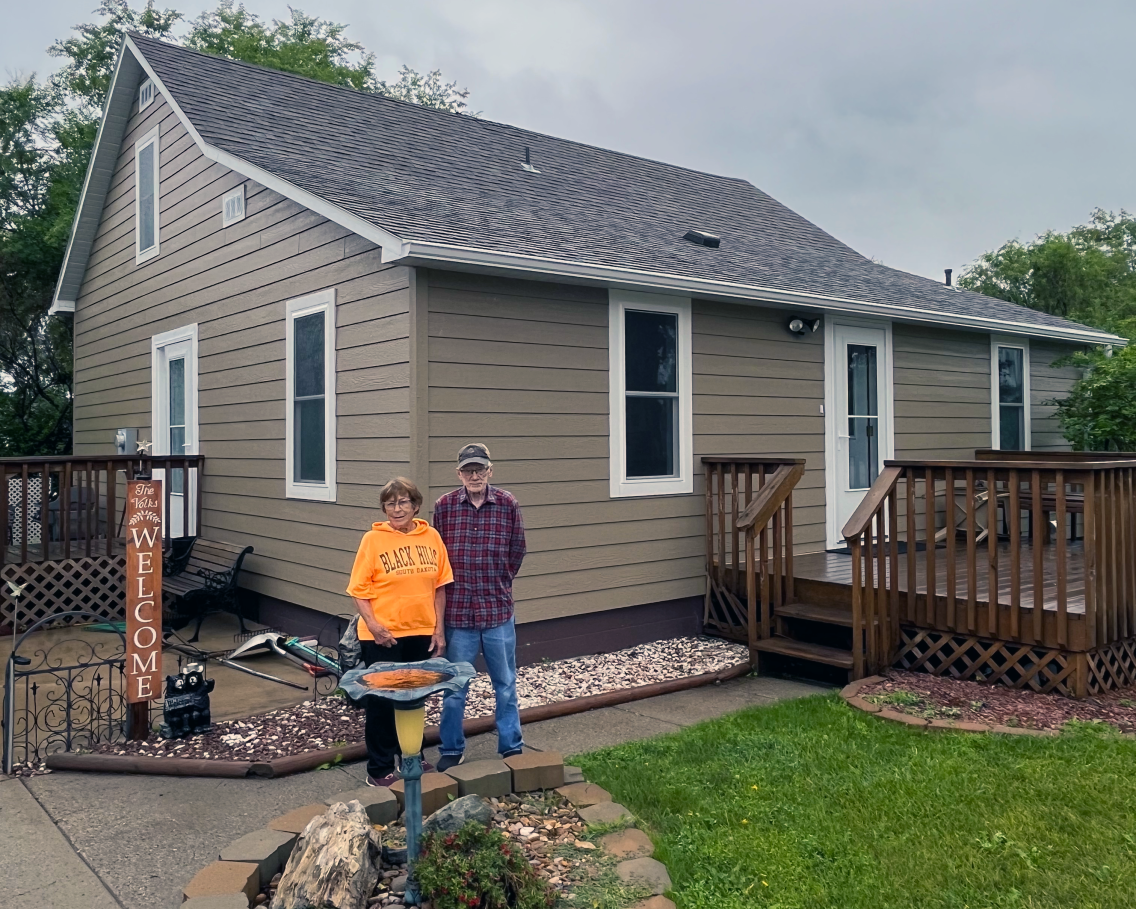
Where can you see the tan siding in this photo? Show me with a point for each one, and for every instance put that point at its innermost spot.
(942, 392)
(234, 282)
(1047, 383)
(523, 366)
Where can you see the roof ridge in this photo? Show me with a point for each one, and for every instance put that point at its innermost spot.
(430, 111)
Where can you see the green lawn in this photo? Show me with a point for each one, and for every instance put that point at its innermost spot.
(810, 803)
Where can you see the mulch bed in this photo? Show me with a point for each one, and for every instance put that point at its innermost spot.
(330, 722)
(972, 702)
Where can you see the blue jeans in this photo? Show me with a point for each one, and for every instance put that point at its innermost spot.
(499, 647)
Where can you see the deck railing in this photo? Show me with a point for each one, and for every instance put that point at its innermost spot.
(990, 548)
(67, 507)
(749, 543)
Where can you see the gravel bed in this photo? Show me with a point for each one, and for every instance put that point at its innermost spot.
(330, 722)
(972, 702)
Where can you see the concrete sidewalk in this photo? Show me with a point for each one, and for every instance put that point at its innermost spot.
(94, 840)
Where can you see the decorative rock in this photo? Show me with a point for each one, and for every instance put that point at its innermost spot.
(573, 774)
(583, 795)
(295, 821)
(906, 718)
(860, 704)
(646, 871)
(536, 770)
(334, 862)
(398, 885)
(225, 878)
(629, 843)
(437, 790)
(227, 901)
(491, 779)
(268, 848)
(379, 802)
(452, 817)
(655, 902)
(604, 813)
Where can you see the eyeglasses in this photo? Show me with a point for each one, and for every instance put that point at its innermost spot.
(472, 472)
(399, 505)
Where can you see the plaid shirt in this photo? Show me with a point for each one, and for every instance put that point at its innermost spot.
(486, 546)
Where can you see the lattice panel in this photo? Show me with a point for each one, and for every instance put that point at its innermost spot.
(96, 585)
(16, 508)
(1112, 667)
(997, 662)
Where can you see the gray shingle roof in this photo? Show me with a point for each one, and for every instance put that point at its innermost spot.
(439, 178)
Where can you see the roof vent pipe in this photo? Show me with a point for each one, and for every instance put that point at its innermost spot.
(528, 164)
(947, 272)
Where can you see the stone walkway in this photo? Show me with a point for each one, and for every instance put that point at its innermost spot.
(72, 840)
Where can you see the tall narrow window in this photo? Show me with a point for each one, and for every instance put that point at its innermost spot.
(863, 417)
(1009, 390)
(146, 197)
(311, 397)
(650, 379)
(177, 418)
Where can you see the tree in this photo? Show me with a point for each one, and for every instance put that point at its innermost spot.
(1087, 274)
(1099, 413)
(47, 131)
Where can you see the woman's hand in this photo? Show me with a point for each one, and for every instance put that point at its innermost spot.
(382, 636)
(438, 643)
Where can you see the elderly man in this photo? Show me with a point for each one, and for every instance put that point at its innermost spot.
(485, 538)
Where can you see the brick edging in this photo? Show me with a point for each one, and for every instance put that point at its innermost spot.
(851, 694)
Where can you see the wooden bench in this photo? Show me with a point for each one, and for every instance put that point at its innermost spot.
(200, 579)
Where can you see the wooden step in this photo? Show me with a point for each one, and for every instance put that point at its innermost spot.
(803, 650)
(831, 615)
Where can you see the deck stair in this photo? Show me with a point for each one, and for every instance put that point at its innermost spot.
(805, 650)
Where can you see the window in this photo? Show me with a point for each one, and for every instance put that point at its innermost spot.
(1010, 394)
(233, 206)
(311, 397)
(649, 358)
(145, 94)
(146, 197)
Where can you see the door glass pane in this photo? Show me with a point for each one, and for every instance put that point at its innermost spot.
(309, 355)
(651, 438)
(651, 349)
(1012, 427)
(863, 452)
(177, 420)
(146, 197)
(308, 456)
(1011, 384)
(862, 380)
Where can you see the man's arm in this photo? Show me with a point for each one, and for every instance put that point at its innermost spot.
(517, 547)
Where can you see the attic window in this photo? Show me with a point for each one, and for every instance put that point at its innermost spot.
(233, 206)
(145, 94)
(701, 238)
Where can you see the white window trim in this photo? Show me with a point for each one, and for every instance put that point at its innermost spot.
(159, 399)
(619, 301)
(141, 255)
(144, 99)
(1023, 345)
(323, 301)
(833, 528)
(238, 192)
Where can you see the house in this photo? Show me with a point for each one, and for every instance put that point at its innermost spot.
(318, 289)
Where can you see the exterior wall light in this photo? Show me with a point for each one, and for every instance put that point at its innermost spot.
(802, 327)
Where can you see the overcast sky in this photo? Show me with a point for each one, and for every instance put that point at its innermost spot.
(920, 133)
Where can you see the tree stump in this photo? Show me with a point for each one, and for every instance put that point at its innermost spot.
(334, 862)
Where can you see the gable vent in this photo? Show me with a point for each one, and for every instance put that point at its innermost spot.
(233, 207)
(145, 94)
(701, 238)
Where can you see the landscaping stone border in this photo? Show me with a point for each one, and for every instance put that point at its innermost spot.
(246, 865)
(851, 694)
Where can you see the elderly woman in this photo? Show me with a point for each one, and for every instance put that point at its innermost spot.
(399, 587)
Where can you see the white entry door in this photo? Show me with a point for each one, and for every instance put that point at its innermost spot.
(174, 405)
(861, 421)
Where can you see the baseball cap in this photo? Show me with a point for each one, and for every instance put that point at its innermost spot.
(473, 453)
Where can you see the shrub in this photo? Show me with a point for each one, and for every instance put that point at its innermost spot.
(478, 868)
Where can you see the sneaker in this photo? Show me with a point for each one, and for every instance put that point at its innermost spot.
(512, 753)
(384, 782)
(450, 760)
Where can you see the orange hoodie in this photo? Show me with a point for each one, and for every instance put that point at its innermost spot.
(399, 572)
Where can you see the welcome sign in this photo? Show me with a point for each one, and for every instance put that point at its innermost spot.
(143, 590)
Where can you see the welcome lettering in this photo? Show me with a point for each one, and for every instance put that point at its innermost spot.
(143, 590)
